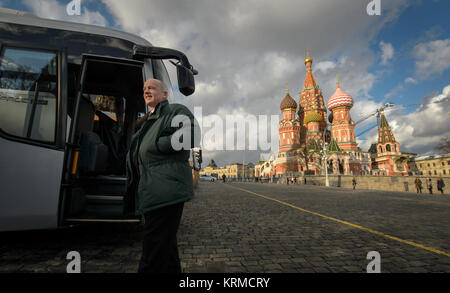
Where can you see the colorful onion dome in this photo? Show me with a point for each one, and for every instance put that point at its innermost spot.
(340, 98)
(313, 116)
(288, 103)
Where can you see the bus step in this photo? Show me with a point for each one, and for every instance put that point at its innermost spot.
(105, 185)
(105, 217)
(104, 199)
(103, 220)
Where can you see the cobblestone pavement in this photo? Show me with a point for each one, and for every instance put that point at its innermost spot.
(227, 229)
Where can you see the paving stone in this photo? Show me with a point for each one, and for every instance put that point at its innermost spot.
(233, 263)
(271, 267)
(227, 230)
(321, 270)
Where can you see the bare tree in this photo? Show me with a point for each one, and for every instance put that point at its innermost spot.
(212, 164)
(444, 145)
(305, 155)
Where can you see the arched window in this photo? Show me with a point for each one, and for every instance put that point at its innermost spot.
(381, 149)
(388, 147)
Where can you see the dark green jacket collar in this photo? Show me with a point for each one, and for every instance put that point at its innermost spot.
(158, 108)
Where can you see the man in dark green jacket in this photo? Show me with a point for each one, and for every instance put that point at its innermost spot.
(160, 177)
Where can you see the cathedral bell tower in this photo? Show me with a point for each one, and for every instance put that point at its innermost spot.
(289, 126)
(386, 140)
(312, 111)
(343, 127)
(389, 158)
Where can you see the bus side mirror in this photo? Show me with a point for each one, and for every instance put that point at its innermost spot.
(186, 83)
(185, 71)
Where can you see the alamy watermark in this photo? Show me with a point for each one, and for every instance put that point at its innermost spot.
(230, 133)
(74, 8)
(374, 7)
(74, 266)
(375, 265)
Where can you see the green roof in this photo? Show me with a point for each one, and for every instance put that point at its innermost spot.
(313, 145)
(334, 147)
(384, 131)
(383, 121)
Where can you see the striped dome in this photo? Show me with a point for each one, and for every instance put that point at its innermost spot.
(340, 98)
(313, 116)
(288, 102)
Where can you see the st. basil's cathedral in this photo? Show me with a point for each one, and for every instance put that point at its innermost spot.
(303, 131)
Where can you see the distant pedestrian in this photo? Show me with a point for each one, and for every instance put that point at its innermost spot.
(354, 183)
(295, 180)
(223, 178)
(304, 180)
(440, 185)
(429, 185)
(418, 184)
(287, 180)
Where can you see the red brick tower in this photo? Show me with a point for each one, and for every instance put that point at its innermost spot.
(386, 140)
(389, 158)
(343, 127)
(289, 126)
(312, 111)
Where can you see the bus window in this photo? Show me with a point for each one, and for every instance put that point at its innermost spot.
(28, 93)
(160, 72)
(112, 107)
(148, 70)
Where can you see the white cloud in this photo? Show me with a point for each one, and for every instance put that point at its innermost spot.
(422, 129)
(411, 80)
(432, 58)
(225, 141)
(363, 109)
(363, 114)
(246, 51)
(387, 52)
(324, 66)
(354, 77)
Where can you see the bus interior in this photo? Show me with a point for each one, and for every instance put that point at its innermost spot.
(111, 98)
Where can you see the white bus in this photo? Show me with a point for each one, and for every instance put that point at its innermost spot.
(70, 95)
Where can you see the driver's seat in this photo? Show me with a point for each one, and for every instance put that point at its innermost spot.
(94, 154)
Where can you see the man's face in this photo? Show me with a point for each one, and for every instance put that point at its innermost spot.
(153, 92)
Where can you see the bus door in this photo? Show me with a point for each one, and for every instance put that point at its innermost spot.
(103, 117)
(31, 151)
(95, 181)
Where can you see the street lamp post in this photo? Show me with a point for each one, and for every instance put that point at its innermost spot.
(325, 162)
(325, 156)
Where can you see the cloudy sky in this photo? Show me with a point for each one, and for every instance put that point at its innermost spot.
(247, 51)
